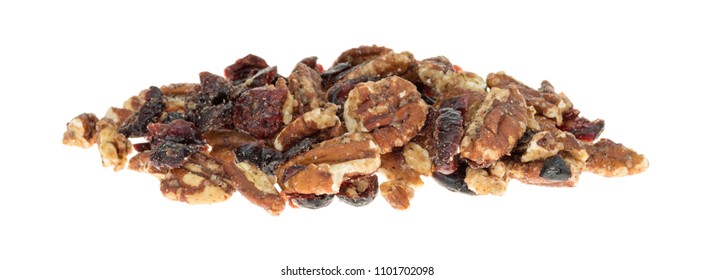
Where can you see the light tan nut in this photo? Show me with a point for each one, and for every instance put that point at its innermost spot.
(305, 125)
(81, 131)
(305, 84)
(250, 181)
(530, 172)
(611, 159)
(141, 163)
(496, 128)
(349, 155)
(113, 146)
(545, 144)
(546, 103)
(417, 158)
(390, 109)
(391, 64)
(397, 193)
(134, 102)
(118, 115)
(201, 180)
(176, 95)
(361, 54)
(443, 82)
(492, 180)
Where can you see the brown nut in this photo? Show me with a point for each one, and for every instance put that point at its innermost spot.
(397, 193)
(446, 83)
(305, 84)
(141, 162)
(417, 158)
(113, 146)
(391, 110)
(492, 180)
(118, 115)
(81, 131)
(496, 128)
(229, 138)
(250, 181)
(200, 180)
(177, 95)
(305, 125)
(545, 103)
(557, 171)
(361, 54)
(349, 155)
(390, 64)
(395, 167)
(611, 159)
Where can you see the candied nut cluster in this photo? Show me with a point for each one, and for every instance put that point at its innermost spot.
(316, 134)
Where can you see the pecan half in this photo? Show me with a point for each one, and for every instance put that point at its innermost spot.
(496, 128)
(390, 109)
(611, 159)
(305, 84)
(81, 131)
(390, 64)
(250, 181)
(200, 180)
(307, 124)
(361, 54)
(546, 103)
(322, 169)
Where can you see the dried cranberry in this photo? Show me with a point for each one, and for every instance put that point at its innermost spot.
(171, 154)
(263, 77)
(359, 191)
(267, 159)
(458, 103)
(149, 112)
(312, 63)
(310, 201)
(245, 67)
(291, 171)
(258, 111)
(179, 131)
(171, 116)
(555, 169)
(582, 128)
(140, 147)
(334, 73)
(454, 181)
(449, 129)
(210, 108)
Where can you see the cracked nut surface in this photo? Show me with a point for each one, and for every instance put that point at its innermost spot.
(611, 159)
(81, 131)
(499, 123)
(200, 180)
(391, 110)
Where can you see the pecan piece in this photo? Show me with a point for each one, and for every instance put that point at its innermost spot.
(390, 64)
(496, 128)
(305, 84)
(81, 131)
(307, 124)
(395, 167)
(557, 171)
(397, 193)
(200, 180)
(545, 103)
(611, 159)
(118, 115)
(254, 184)
(259, 111)
(492, 180)
(113, 146)
(230, 138)
(322, 169)
(390, 109)
(177, 95)
(141, 162)
(417, 158)
(361, 54)
(444, 82)
(359, 191)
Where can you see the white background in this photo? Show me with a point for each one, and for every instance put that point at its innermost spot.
(644, 68)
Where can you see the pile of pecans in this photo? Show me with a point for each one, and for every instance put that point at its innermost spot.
(317, 134)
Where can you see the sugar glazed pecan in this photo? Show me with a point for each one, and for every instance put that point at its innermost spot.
(316, 135)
